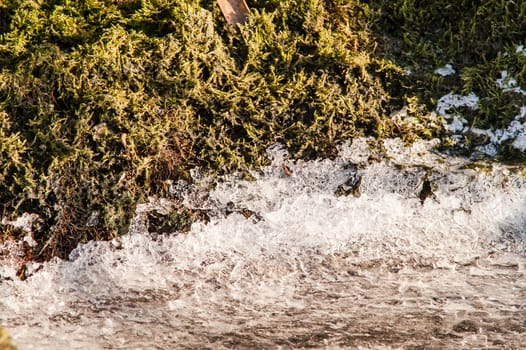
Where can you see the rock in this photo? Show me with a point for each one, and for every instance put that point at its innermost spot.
(350, 187)
(466, 326)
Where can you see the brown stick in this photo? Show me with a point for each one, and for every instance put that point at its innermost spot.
(235, 11)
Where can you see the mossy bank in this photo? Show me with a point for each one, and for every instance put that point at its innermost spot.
(103, 101)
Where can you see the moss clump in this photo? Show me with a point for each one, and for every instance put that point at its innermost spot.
(5, 340)
(178, 220)
(103, 101)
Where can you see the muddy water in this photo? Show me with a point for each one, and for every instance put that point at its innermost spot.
(348, 253)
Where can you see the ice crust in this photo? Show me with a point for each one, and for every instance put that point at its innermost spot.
(311, 261)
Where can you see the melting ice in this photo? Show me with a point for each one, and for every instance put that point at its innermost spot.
(427, 252)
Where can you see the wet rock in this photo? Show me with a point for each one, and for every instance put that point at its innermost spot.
(27, 270)
(350, 187)
(286, 170)
(247, 213)
(466, 326)
(427, 190)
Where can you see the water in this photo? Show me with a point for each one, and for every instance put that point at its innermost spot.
(374, 270)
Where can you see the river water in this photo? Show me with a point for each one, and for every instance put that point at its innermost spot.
(387, 265)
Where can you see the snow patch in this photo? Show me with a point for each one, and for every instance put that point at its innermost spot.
(509, 84)
(452, 100)
(446, 70)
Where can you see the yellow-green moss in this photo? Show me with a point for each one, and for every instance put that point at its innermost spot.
(5, 340)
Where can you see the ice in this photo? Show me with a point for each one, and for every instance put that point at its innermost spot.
(451, 100)
(509, 84)
(446, 70)
(384, 268)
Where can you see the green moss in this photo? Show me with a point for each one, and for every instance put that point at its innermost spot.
(102, 101)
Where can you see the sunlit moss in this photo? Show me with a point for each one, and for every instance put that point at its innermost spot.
(5, 340)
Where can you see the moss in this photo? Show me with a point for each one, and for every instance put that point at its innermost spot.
(5, 340)
(178, 220)
(103, 101)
